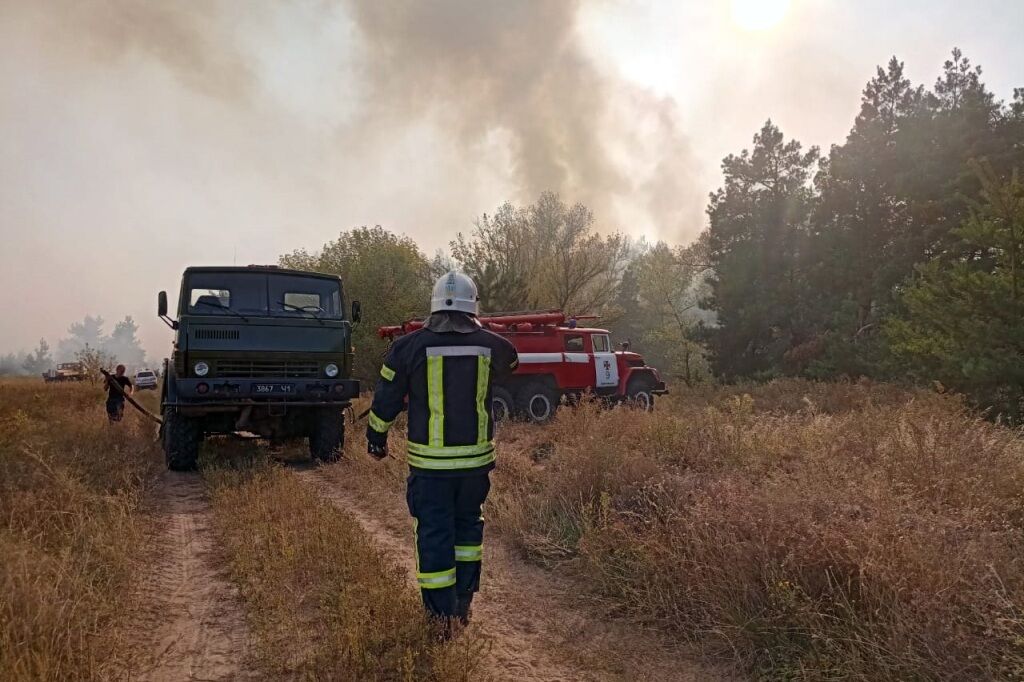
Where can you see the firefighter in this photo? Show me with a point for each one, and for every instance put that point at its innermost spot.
(446, 369)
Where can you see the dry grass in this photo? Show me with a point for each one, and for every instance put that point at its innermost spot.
(70, 528)
(806, 530)
(810, 531)
(322, 602)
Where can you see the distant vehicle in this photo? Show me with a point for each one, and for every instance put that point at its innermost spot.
(66, 371)
(558, 358)
(260, 350)
(145, 379)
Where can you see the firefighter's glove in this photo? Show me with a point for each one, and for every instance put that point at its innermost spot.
(377, 450)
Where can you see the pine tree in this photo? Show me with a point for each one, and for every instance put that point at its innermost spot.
(963, 323)
(758, 230)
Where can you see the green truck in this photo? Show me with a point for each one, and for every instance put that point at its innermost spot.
(258, 350)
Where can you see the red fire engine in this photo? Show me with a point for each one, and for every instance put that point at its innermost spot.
(557, 358)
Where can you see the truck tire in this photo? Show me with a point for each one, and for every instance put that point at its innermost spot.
(639, 393)
(537, 402)
(327, 437)
(181, 438)
(502, 405)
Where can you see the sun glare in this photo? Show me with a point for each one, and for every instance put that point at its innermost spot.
(758, 15)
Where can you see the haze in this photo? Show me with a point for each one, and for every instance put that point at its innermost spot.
(137, 138)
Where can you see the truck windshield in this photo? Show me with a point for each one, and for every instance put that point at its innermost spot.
(257, 293)
(293, 296)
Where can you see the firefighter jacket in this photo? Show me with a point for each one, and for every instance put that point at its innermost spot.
(447, 377)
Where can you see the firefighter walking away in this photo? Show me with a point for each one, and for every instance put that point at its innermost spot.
(446, 370)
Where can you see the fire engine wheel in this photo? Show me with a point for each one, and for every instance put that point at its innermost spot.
(181, 436)
(327, 436)
(537, 402)
(639, 394)
(501, 404)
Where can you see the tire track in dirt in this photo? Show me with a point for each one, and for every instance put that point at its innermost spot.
(535, 630)
(190, 624)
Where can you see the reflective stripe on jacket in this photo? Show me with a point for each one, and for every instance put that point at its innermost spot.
(448, 378)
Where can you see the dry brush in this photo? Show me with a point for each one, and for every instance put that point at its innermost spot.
(806, 530)
(322, 600)
(812, 531)
(71, 529)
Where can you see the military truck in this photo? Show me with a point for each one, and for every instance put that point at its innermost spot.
(66, 371)
(258, 350)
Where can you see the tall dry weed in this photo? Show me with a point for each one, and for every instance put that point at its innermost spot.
(70, 531)
(845, 533)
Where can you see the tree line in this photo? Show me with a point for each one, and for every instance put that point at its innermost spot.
(896, 255)
(87, 343)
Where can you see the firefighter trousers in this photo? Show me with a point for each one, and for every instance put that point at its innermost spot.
(449, 530)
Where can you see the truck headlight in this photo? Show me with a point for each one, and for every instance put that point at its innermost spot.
(331, 370)
(201, 369)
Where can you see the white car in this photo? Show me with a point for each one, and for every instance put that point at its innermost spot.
(145, 379)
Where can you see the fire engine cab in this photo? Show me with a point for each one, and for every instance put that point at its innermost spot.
(559, 358)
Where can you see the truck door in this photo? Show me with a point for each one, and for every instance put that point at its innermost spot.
(605, 364)
(575, 372)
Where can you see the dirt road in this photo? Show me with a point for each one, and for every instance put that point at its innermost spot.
(536, 629)
(189, 625)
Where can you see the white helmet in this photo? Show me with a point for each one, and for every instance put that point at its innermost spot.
(455, 291)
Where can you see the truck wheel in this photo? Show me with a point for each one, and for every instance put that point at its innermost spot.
(181, 439)
(639, 394)
(537, 402)
(501, 404)
(327, 437)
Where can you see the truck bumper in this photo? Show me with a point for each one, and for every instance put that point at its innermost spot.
(257, 391)
(660, 388)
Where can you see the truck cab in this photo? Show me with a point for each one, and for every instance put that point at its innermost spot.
(261, 350)
(66, 371)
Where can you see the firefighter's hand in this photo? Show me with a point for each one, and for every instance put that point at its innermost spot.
(377, 450)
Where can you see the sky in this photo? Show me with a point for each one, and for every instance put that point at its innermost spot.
(139, 137)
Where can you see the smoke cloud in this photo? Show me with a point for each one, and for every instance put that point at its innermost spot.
(520, 70)
(137, 138)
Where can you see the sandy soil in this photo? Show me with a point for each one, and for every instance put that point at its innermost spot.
(536, 625)
(190, 624)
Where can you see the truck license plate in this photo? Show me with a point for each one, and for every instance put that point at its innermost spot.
(265, 389)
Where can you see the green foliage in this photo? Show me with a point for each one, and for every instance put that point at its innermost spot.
(964, 315)
(546, 255)
(758, 229)
(807, 278)
(95, 359)
(665, 313)
(387, 273)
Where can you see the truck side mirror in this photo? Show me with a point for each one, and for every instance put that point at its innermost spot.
(161, 310)
(357, 311)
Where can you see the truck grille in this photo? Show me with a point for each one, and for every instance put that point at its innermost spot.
(243, 369)
(214, 333)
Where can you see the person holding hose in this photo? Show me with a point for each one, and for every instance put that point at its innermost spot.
(446, 370)
(116, 394)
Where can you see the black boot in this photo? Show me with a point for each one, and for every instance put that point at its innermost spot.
(462, 607)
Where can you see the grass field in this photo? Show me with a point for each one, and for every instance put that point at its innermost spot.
(807, 531)
(77, 527)
(71, 531)
(804, 531)
(323, 603)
